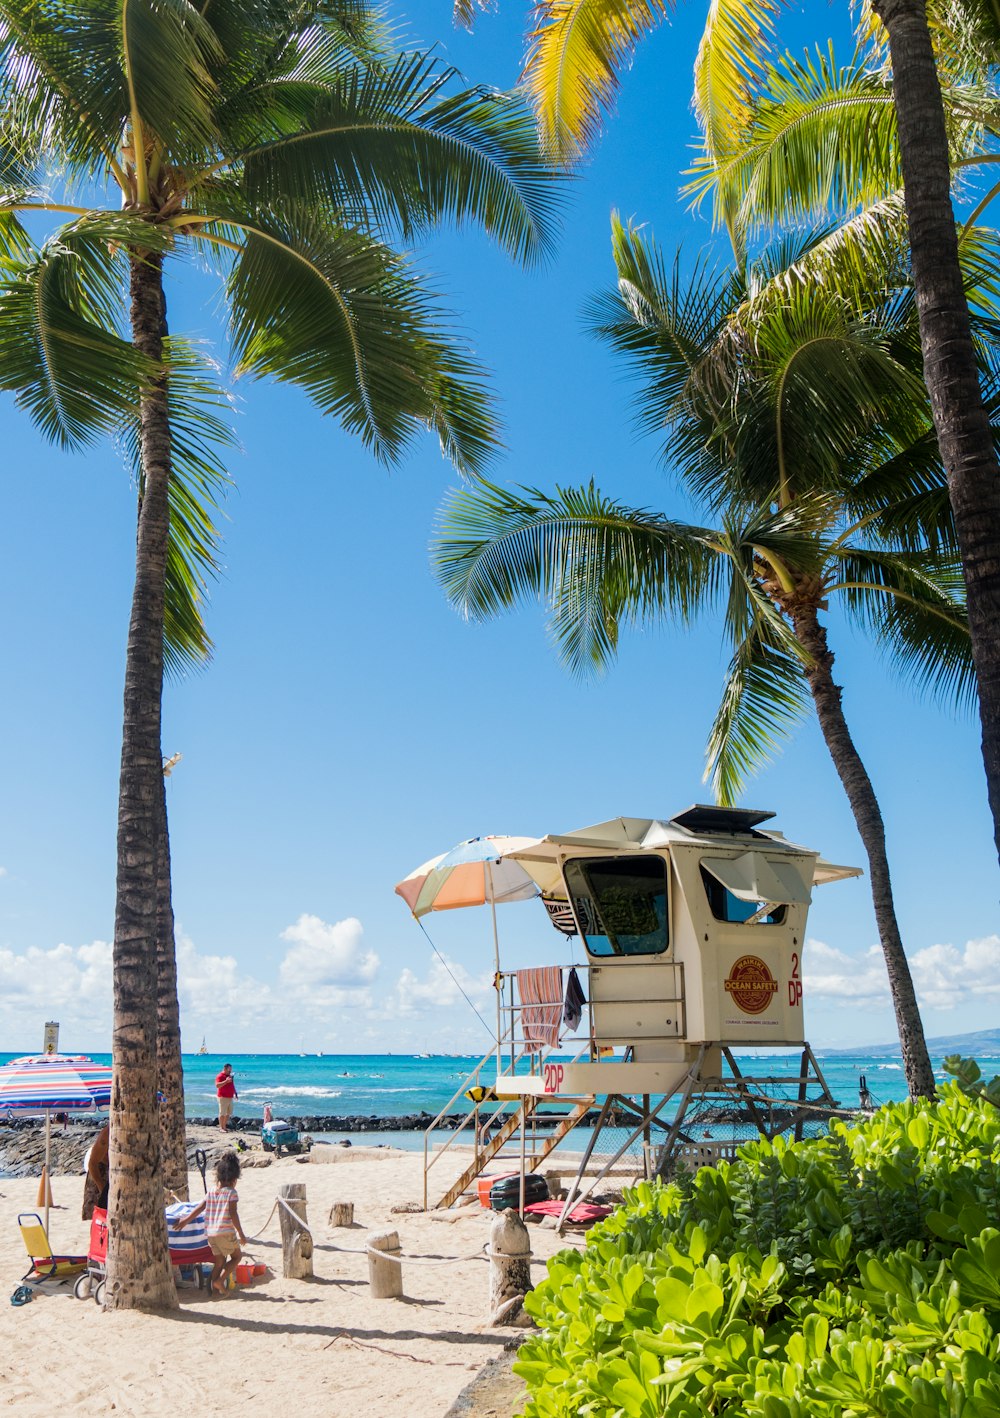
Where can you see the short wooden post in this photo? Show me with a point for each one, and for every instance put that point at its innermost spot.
(342, 1213)
(510, 1269)
(385, 1275)
(296, 1242)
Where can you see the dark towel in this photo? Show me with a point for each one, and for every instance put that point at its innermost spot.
(574, 1002)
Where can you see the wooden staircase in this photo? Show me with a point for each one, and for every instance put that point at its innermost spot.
(541, 1148)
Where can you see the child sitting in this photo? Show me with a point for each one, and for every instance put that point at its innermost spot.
(222, 1221)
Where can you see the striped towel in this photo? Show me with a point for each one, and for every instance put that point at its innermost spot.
(541, 994)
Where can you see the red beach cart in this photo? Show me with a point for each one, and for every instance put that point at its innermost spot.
(187, 1247)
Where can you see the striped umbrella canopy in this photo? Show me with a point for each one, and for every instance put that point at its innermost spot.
(475, 873)
(41, 1083)
(53, 1083)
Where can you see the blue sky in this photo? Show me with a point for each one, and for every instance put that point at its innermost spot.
(351, 725)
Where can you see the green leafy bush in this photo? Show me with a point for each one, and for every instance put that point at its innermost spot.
(839, 1277)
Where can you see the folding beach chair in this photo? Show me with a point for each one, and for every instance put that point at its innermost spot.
(45, 1265)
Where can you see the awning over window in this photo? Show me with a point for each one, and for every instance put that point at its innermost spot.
(752, 877)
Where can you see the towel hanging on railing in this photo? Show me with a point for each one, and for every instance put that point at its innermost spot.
(541, 994)
(574, 1001)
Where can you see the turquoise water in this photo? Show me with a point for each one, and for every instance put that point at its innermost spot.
(391, 1085)
(386, 1085)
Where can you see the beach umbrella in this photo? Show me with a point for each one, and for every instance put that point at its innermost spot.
(478, 872)
(53, 1083)
(475, 873)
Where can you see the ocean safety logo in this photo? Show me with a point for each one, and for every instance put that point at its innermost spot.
(751, 984)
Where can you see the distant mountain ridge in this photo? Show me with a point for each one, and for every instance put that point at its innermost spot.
(983, 1041)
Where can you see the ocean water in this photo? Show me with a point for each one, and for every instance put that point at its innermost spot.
(387, 1085)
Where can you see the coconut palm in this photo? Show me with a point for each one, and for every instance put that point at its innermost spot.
(578, 50)
(806, 136)
(794, 412)
(286, 145)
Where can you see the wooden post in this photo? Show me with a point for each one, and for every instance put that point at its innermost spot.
(385, 1276)
(510, 1269)
(342, 1213)
(296, 1242)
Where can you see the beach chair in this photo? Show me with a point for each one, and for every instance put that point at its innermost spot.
(44, 1264)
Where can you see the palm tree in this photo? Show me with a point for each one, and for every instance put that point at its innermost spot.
(578, 50)
(961, 418)
(285, 144)
(200, 433)
(794, 412)
(803, 137)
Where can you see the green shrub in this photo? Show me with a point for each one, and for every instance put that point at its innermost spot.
(839, 1277)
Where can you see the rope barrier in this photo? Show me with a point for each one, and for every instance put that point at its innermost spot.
(383, 1255)
(257, 1234)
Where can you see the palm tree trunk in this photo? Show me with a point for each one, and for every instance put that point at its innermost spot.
(139, 1275)
(169, 1066)
(961, 423)
(867, 814)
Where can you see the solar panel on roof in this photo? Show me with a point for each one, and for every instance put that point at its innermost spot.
(703, 819)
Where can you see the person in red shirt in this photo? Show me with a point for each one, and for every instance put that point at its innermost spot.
(225, 1087)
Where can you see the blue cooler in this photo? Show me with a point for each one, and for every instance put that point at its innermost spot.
(278, 1134)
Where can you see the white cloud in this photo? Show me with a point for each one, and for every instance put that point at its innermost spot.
(3, 871)
(210, 986)
(946, 976)
(327, 965)
(442, 988)
(829, 973)
(63, 982)
(325, 968)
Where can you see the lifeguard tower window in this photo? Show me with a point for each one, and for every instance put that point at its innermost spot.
(727, 907)
(621, 903)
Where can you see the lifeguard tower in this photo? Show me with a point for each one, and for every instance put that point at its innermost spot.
(692, 931)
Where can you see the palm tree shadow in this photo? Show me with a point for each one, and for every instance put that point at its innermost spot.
(248, 1323)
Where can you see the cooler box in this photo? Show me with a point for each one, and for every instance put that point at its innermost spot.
(484, 1185)
(506, 1193)
(278, 1134)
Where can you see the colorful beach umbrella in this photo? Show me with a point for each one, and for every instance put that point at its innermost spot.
(475, 873)
(39, 1083)
(53, 1083)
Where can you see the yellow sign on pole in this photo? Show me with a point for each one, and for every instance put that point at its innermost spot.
(51, 1037)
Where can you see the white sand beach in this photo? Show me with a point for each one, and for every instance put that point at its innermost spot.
(320, 1346)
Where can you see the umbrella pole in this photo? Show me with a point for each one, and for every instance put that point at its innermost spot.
(48, 1163)
(496, 956)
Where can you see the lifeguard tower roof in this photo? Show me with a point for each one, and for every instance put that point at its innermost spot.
(702, 823)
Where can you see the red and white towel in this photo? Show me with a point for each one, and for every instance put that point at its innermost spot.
(541, 994)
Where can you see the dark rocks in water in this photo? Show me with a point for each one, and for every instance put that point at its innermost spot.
(338, 1122)
(22, 1146)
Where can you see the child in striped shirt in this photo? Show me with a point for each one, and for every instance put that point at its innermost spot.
(222, 1220)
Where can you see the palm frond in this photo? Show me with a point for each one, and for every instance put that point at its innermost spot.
(59, 349)
(661, 320)
(265, 41)
(392, 143)
(817, 136)
(347, 320)
(271, 84)
(765, 696)
(62, 90)
(201, 433)
(577, 50)
(594, 563)
(735, 43)
(912, 604)
(168, 51)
